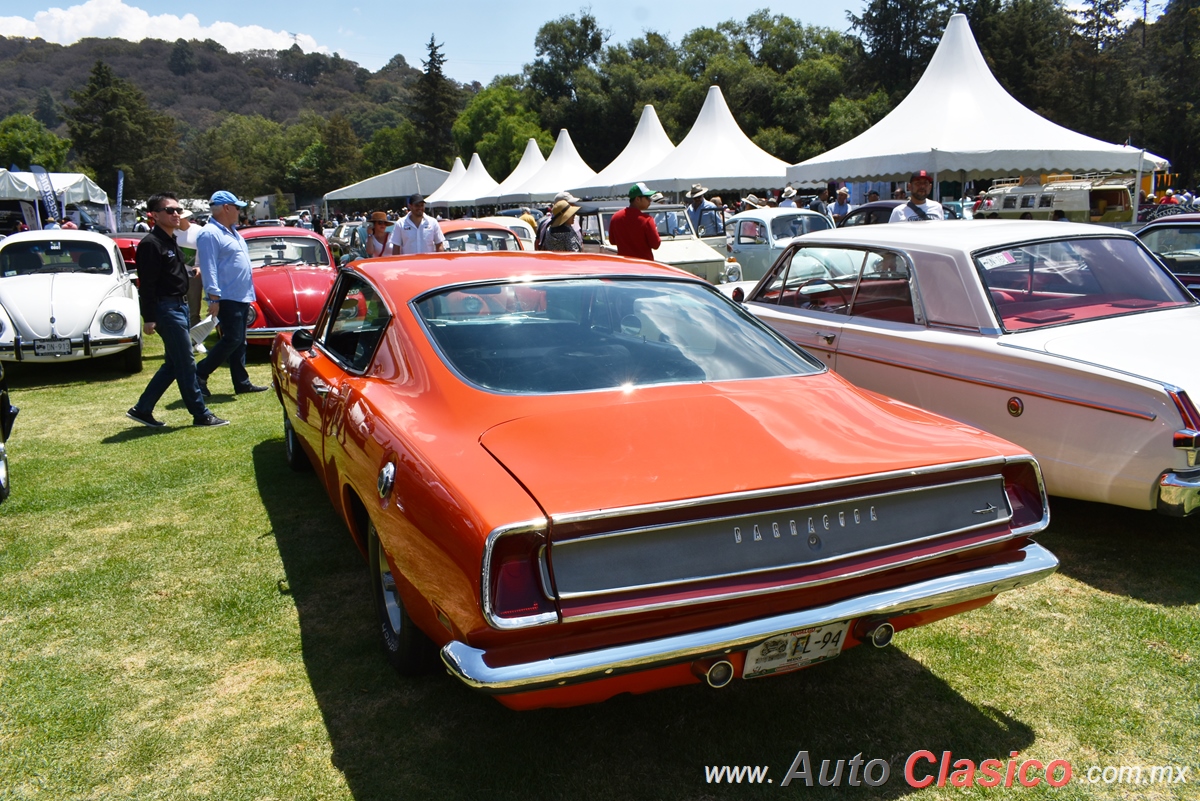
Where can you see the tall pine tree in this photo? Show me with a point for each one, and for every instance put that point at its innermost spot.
(435, 107)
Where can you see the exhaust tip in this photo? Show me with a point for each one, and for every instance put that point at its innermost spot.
(716, 674)
(881, 635)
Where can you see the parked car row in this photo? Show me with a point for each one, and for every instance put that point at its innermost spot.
(511, 437)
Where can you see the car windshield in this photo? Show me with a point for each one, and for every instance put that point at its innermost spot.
(1068, 280)
(55, 256)
(266, 250)
(1178, 245)
(482, 240)
(590, 334)
(786, 226)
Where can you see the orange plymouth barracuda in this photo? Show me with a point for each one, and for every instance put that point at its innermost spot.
(524, 447)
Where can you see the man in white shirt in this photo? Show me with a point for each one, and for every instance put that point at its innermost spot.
(919, 206)
(789, 198)
(842, 207)
(417, 233)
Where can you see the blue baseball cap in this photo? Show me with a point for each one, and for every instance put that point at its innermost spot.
(224, 198)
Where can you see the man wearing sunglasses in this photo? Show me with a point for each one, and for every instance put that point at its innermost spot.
(163, 277)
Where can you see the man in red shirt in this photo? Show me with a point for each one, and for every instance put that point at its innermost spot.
(632, 230)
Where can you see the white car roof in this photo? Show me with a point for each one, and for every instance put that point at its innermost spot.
(58, 235)
(959, 235)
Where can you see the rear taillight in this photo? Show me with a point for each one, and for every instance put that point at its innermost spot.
(1026, 495)
(1187, 409)
(517, 595)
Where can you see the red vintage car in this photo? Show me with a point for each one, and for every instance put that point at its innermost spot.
(579, 476)
(293, 269)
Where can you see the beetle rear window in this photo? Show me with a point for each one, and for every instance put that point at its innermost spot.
(55, 256)
(589, 334)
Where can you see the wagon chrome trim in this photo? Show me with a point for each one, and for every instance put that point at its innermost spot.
(470, 666)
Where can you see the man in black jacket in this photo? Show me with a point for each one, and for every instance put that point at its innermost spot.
(163, 279)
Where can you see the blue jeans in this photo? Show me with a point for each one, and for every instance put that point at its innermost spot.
(231, 314)
(178, 365)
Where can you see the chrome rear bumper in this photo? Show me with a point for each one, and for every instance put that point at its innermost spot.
(468, 663)
(1179, 493)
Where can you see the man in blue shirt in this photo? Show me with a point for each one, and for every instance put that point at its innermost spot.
(224, 263)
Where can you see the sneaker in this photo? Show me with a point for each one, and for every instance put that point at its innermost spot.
(145, 418)
(203, 382)
(250, 388)
(199, 348)
(209, 420)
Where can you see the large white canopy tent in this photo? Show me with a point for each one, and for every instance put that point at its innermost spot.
(564, 168)
(959, 120)
(400, 182)
(70, 187)
(648, 146)
(531, 162)
(716, 153)
(477, 182)
(457, 171)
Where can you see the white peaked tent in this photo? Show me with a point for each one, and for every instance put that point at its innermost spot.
(531, 162)
(477, 182)
(564, 168)
(437, 198)
(716, 153)
(400, 182)
(647, 147)
(959, 120)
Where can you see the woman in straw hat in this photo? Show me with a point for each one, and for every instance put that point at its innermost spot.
(563, 235)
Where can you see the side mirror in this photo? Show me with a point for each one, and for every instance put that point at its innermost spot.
(302, 339)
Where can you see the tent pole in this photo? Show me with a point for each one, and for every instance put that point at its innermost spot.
(1137, 185)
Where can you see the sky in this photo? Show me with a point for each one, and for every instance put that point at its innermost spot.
(480, 39)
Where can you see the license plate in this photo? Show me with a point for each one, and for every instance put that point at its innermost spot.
(52, 347)
(795, 650)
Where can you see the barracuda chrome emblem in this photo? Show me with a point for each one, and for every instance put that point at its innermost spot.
(987, 510)
(826, 522)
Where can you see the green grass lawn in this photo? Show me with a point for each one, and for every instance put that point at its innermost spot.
(183, 617)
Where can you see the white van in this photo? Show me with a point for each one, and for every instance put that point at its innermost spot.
(1092, 197)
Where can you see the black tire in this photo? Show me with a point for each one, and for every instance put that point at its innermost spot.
(131, 357)
(297, 459)
(406, 647)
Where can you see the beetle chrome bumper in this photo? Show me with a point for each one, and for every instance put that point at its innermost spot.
(468, 663)
(22, 350)
(1179, 493)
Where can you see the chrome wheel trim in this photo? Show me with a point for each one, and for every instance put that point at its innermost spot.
(391, 596)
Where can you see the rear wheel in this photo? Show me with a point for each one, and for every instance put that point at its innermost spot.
(297, 459)
(407, 648)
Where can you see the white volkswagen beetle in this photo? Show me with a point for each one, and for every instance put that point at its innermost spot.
(66, 295)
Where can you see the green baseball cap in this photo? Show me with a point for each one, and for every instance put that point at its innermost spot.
(640, 190)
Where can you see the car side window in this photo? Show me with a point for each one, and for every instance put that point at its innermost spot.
(750, 232)
(815, 278)
(357, 317)
(884, 291)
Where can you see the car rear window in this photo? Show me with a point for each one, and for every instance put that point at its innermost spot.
(266, 250)
(55, 256)
(589, 334)
(1069, 280)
